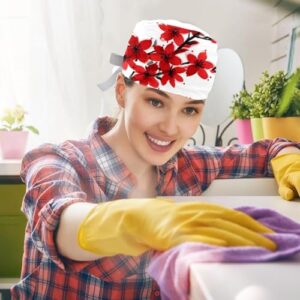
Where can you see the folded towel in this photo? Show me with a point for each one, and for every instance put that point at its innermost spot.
(170, 269)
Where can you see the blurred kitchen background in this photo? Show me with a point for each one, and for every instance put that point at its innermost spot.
(53, 53)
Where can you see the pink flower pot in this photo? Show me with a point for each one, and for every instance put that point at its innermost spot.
(244, 131)
(13, 144)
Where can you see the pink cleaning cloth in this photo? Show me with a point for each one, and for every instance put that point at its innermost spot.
(170, 269)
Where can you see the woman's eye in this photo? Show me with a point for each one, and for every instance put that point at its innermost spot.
(190, 111)
(155, 102)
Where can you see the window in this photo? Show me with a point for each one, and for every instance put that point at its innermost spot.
(14, 51)
(294, 52)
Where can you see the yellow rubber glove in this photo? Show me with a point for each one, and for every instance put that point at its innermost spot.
(133, 226)
(286, 169)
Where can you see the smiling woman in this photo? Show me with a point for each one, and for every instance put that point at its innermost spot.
(157, 124)
(93, 216)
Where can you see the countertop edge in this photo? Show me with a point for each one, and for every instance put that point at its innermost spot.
(10, 167)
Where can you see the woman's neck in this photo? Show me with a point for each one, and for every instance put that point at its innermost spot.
(117, 139)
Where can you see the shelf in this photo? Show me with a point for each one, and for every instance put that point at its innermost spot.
(10, 167)
(7, 283)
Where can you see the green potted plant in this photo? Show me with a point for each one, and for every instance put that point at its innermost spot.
(14, 132)
(281, 115)
(240, 112)
(265, 100)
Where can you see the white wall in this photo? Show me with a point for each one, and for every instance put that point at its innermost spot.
(286, 17)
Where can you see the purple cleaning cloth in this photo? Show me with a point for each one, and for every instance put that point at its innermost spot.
(170, 269)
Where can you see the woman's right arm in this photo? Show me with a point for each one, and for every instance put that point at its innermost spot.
(55, 202)
(66, 236)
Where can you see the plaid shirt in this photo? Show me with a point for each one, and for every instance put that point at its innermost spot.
(89, 170)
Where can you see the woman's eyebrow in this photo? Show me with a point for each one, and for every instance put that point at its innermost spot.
(161, 93)
(200, 101)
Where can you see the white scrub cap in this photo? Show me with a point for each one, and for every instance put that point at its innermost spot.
(172, 56)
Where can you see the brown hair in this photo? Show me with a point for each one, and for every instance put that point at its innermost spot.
(128, 82)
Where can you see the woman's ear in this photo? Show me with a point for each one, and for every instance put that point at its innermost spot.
(120, 90)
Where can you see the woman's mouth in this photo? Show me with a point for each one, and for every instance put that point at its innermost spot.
(158, 144)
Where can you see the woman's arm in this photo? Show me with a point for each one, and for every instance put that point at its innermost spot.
(289, 150)
(66, 237)
(253, 160)
(234, 161)
(56, 180)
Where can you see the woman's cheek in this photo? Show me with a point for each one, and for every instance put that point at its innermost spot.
(141, 117)
(190, 128)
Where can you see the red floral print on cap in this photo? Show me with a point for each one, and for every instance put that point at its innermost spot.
(169, 57)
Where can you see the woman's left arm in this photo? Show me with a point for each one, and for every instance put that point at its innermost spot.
(253, 160)
(289, 150)
(238, 161)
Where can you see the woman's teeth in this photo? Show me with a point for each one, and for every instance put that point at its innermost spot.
(158, 142)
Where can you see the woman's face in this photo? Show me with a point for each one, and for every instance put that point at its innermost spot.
(158, 124)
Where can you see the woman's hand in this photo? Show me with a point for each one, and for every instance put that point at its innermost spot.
(133, 226)
(286, 169)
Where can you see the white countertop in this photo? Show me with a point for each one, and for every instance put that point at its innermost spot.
(276, 280)
(290, 209)
(10, 167)
(7, 283)
(233, 281)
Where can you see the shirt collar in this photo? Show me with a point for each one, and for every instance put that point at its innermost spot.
(108, 160)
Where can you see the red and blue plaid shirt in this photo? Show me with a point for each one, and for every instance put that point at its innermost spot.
(89, 170)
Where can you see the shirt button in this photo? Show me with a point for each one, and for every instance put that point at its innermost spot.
(157, 293)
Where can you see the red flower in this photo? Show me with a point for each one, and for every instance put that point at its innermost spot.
(198, 64)
(146, 76)
(165, 56)
(136, 50)
(171, 75)
(173, 33)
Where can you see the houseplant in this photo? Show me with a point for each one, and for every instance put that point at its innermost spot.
(281, 112)
(265, 100)
(14, 132)
(240, 112)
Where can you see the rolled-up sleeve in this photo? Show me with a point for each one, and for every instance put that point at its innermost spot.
(251, 160)
(51, 185)
(199, 166)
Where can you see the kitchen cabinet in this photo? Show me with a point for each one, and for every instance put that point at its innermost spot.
(12, 225)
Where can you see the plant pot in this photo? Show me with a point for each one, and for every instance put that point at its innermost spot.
(257, 129)
(287, 127)
(13, 144)
(244, 131)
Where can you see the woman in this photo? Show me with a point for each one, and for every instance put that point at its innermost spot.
(81, 245)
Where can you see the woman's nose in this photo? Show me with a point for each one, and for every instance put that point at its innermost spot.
(169, 125)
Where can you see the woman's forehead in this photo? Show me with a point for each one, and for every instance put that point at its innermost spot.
(168, 95)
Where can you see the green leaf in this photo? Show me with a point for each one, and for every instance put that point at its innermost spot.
(32, 129)
(288, 93)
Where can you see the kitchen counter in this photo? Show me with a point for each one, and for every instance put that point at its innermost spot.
(275, 280)
(10, 167)
(10, 171)
(11, 189)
